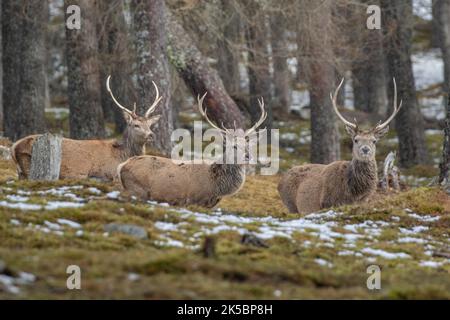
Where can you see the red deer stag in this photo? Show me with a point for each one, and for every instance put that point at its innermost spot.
(95, 158)
(160, 179)
(312, 187)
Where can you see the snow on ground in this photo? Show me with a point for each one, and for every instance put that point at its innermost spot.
(323, 229)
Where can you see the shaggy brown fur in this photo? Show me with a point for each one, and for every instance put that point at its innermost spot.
(160, 179)
(83, 158)
(313, 187)
(94, 158)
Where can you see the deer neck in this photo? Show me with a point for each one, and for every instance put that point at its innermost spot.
(362, 177)
(130, 146)
(228, 178)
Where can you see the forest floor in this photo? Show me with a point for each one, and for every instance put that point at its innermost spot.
(254, 249)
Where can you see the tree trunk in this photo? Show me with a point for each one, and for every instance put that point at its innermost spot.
(115, 61)
(281, 74)
(46, 158)
(152, 65)
(369, 66)
(325, 146)
(398, 22)
(258, 65)
(436, 23)
(199, 76)
(86, 114)
(228, 55)
(442, 17)
(1, 75)
(24, 68)
(444, 178)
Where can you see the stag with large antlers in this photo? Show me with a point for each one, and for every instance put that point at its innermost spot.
(95, 158)
(313, 187)
(161, 179)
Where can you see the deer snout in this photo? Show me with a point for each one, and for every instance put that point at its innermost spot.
(365, 150)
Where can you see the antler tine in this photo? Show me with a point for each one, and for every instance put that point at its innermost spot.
(334, 103)
(114, 99)
(158, 98)
(394, 112)
(203, 113)
(262, 118)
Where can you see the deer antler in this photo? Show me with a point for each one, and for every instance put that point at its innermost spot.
(262, 118)
(333, 100)
(205, 115)
(158, 98)
(131, 113)
(394, 112)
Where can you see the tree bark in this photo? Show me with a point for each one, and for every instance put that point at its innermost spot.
(24, 68)
(325, 147)
(398, 22)
(369, 64)
(46, 158)
(193, 68)
(444, 178)
(152, 65)
(436, 23)
(115, 60)
(86, 115)
(441, 14)
(1, 75)
(258, 65)
(228, 57)
(281, 74)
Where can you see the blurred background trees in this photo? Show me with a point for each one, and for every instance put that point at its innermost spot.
(291, 53)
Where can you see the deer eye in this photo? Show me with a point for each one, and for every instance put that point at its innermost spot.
(356, 140)
(136, 126)
(374, 141)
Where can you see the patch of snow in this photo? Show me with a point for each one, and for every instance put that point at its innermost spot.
(20, 205)
(15, 222)
(411, 240)
(53, 205)
(133, 276)
(385, 254)
(425, 218)
(165, 226)
(70, 223)
(323, 262)
(431, 264)
(53, 226)
(413, 230)
(16, 198)
(94, 190)
(113, 195)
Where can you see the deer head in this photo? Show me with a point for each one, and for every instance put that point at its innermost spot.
(239, 136)
(138, 127)
(364, 141)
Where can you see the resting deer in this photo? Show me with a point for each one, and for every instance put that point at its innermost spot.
(160, 179)
(312, 187)
(95, 158)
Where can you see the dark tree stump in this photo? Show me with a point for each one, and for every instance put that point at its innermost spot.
(46, 158)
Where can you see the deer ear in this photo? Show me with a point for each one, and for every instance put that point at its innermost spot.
(153, 119)
(380, 133)
(350, 130)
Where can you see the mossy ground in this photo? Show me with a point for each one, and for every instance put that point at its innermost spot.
(326, 257)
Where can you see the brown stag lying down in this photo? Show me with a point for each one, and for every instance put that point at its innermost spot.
(312, 187)
(160, 179)
(95, 158)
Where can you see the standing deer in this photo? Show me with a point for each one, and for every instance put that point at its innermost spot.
(95, 158)
(160, 179)
(312, 187)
